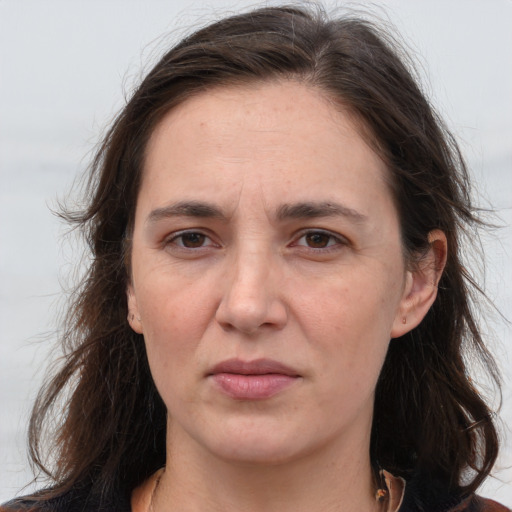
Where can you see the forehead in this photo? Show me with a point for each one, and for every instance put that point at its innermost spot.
(281, 137)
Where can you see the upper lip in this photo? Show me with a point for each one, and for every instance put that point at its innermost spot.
(256, 367)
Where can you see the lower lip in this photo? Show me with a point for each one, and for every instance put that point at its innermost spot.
(252, 387)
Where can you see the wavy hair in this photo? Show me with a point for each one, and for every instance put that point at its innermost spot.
(429, 418)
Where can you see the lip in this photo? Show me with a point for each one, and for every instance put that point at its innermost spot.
(252, 380)
(256, 367)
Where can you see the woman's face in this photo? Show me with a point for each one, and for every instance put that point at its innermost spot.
(267, 273)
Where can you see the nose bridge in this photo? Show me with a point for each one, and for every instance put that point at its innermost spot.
(253, 257)
(249, 298)
(249, 285)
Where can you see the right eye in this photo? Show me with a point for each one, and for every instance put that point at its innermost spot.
(190, 240)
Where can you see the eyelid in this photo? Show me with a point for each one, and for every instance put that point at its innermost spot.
(340, 239)
(175, 235)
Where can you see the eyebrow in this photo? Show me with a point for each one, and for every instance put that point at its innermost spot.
(301, 210)
(186, 209)
(312, 210)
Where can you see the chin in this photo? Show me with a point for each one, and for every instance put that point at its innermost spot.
(264, 454)
(259, 445)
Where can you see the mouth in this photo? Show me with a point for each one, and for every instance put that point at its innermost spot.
(252, 380)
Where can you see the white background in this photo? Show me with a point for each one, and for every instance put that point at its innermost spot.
(63, 68)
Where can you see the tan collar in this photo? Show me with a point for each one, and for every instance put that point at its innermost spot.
(141, 496)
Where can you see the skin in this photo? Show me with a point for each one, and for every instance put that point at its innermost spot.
(320, 291)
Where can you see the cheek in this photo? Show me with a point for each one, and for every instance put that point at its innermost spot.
(168, 299)
(348, 304)
(348, 323)
(174, 316)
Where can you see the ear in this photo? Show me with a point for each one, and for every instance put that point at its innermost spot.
(420, 290)
(133, 310)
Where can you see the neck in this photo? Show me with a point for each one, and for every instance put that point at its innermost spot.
(334, 478)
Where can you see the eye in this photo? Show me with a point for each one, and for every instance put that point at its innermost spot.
(320, 240)
(190, 240)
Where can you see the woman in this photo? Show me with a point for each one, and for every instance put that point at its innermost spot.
(276, 202)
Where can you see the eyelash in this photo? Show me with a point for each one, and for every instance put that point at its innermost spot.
(333, 243)
(172, 240)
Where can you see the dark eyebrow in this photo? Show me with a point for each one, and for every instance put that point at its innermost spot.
(185, 209)
(318, 209)
(286, 211)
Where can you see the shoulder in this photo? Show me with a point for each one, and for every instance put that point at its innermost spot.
(29, 504)
(71, 501)
(472, 503)
(478, 504)
(26, 505)
(423, 494)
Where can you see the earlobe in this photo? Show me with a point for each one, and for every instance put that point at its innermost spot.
(133, 311)
(420, 290)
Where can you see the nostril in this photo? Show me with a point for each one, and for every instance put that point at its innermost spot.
(243, 317)
(251, 316)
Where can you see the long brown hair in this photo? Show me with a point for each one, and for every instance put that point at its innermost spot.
(108, 432)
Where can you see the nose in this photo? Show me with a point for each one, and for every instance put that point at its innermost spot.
(251, 297)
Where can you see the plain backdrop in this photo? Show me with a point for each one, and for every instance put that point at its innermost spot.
(65, 67)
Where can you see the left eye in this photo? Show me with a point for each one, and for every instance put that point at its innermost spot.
(318, 240)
